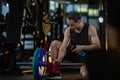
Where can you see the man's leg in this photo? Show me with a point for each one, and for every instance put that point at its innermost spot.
(55, 70)
(84, 72)
(83, 69)
(54, 47)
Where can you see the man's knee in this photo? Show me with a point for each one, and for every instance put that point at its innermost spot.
(55, 44)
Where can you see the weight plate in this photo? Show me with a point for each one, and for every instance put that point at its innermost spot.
(38, 70)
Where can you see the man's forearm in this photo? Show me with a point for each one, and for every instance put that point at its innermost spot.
(61, 54)
(89, 47)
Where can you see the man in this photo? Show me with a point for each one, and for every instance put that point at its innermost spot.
(82, 35)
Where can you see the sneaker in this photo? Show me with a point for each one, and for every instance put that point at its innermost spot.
(54, 76)
(49, 66)
(56, 67)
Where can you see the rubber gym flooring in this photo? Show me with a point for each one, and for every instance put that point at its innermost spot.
(30, 77)
(68, 74)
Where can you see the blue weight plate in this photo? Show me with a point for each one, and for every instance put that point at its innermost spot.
(38, 70)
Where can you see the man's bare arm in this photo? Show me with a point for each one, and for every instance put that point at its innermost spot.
(94, 41)
(62, 50)
(94, 37)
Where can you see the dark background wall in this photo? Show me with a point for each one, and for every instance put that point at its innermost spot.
(15, 20)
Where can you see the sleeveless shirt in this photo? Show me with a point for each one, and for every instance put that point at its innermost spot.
(80, 38)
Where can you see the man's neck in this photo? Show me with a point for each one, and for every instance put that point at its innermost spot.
(80, 27)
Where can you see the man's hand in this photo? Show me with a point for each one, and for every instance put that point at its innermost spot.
(77, 49)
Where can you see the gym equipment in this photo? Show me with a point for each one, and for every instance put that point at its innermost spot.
(38, 69)
(40, 58)
(82, 53)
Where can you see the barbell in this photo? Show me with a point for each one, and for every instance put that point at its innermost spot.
(40, 58)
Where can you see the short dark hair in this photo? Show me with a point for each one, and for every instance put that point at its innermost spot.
(74, 15)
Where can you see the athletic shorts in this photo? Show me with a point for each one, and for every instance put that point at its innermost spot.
(74, 57)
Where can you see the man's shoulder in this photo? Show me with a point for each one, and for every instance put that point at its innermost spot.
(91, 28)
(67, 31)
(68, 28)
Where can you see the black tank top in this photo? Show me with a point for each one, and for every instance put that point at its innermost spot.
(80, 38)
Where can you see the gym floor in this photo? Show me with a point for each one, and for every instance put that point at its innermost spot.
(68, 74)
(30, 77)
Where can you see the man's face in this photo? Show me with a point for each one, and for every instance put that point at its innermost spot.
(72, 24)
